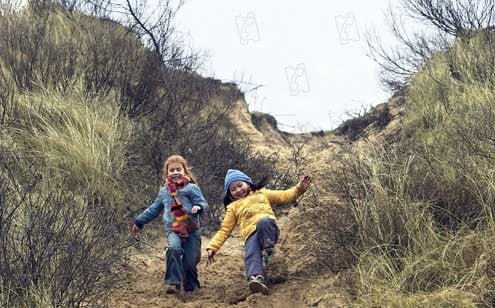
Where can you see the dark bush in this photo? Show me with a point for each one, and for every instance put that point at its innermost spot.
(57, 249)
(355, 128)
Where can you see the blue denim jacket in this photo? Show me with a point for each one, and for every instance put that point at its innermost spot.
(189, 195)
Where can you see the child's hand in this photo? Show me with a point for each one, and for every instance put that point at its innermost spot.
(210, 259)
(195, 209)
(135, 230)
(304, 182)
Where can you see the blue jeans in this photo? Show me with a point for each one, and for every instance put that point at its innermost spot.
(182, 259)
(266, 235)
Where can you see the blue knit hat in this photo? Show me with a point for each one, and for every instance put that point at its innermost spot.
(235, 175)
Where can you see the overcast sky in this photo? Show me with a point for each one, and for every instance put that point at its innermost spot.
(310, 57)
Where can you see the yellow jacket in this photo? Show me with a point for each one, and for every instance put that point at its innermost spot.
(246, 213)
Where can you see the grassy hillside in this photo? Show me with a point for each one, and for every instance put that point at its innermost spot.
(423, 206)
(87, 117)
(63, 159)
(402, 210)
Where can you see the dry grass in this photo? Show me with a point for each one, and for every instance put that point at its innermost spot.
(78, 141)
(423, 206)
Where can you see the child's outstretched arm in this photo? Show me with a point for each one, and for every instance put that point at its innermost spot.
(151, 212)
(228, 224)
(291, 194)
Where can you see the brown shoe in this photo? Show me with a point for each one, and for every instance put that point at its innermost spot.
(257, 285)
(171, 289)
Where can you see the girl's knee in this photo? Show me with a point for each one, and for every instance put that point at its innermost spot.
(266, 222)
(173, 250)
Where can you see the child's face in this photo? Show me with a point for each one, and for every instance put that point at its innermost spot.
(239, 189)
(175, 171)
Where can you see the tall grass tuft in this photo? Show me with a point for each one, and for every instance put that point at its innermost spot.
(80, 141)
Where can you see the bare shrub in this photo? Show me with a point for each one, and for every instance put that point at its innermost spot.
(355, 127)
(57, 249)
(442, 22)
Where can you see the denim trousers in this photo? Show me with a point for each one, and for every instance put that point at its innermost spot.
(266, 235)
(182, 260)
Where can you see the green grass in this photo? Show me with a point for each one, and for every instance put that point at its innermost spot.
(424, 207)
(80, 141)
(63, 141)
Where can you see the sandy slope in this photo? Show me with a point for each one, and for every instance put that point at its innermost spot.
(223, 282)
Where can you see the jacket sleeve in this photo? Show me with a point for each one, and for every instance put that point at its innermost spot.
(151, 212)
(283, 196)
(228, 224)
(197, 197)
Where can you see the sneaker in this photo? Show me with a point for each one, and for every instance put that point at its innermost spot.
(267, 253)
(171, 289)
(257, 285)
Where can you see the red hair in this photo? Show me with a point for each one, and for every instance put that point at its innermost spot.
(179, 160)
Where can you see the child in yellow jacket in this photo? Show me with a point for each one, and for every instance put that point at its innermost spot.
(249, 207)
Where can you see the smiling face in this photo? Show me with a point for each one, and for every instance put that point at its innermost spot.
(239, 189)
(175, 171)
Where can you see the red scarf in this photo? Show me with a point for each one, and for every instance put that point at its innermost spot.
(182, 224)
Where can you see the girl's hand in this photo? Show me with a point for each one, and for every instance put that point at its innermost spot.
(195, 209)
(304, 182)
(135, 230)
(210, 254)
